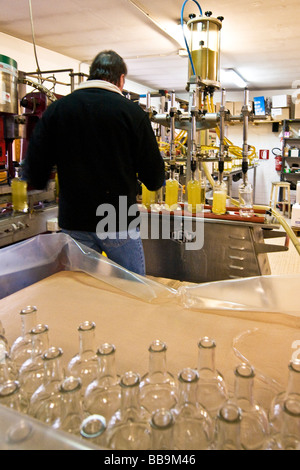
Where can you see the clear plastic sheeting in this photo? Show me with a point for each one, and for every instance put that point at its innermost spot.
(277, 294)
(25, 263)
(19, 432)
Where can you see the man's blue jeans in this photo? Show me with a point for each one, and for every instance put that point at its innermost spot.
(125, 249)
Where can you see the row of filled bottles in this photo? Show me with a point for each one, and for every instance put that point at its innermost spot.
(157, 411)
(171, 197)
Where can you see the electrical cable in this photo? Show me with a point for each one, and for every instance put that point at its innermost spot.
(33, 39)
(184, 37)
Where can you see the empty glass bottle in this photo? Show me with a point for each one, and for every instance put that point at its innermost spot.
(162, 424)
(254, 425)
(193, 429)
(129, 428)
(45, 403)
(71, 415)
(289, 438)
(4, 348)
(22, 347)
(2, 331)
(3, 341)
(103, 395)
(31, 373)
(84, 364)
(8, 369)
(293, 387)
(212, 390)
(158, 386)
(93, 429)
(228, 428)
(246, 199)
(12, 397)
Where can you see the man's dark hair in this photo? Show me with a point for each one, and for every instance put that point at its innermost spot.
(109, 66)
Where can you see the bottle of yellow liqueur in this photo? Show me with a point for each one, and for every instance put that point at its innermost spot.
(19, 193)
(219, 198)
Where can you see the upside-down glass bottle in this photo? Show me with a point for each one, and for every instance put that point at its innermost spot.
(293, 386)
(228, 428)
(71, 415)
(254, 425)
(31, 373)
(212, 390)
(193, 429)
(129, 428)
(45, 403)
(22, 346)
(162, 424)
(103, 395)
(84, 364)
(158, 387)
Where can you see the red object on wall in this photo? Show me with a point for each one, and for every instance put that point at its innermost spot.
(2, 144)
(264, 154)
(278, 163)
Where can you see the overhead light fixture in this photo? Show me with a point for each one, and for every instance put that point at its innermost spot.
(231, 75)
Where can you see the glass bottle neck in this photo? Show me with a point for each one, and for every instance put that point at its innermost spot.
(294, 378)
(206, 355)
(40, 340)
(244, 381)
(157, 357)
(86, 337)
(29, 319)
(70, 396)
(106, 361)
(290, 430)
(52, 364)
(130, 391)
(229, 428)
(187, 382)
(162, 424)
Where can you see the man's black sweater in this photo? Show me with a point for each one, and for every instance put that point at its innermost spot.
(100, 141)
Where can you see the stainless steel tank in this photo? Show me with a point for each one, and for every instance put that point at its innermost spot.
(8, 85)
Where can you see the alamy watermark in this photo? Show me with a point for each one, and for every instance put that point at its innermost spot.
(180, 226)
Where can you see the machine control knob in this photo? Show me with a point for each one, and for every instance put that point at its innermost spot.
(208, 13)
(220, 18)
(192, 15)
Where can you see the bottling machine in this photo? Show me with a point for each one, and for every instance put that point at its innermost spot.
(206, 242)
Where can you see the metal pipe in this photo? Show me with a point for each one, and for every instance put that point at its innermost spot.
(172, 128)
(245, 112)
(222, 129)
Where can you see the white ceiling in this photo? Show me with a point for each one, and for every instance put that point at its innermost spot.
(260, 39)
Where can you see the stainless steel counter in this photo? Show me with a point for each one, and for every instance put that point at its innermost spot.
(18, 227)
(230, 249)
